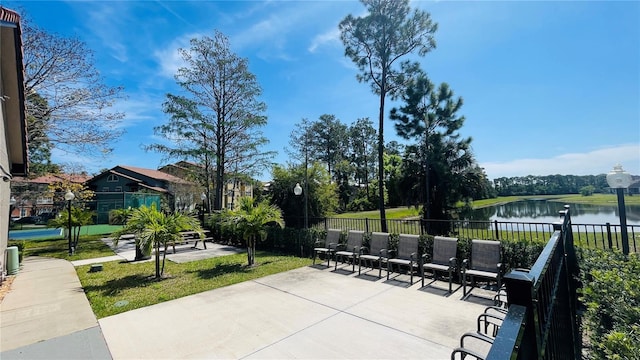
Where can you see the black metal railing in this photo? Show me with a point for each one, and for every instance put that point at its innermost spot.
(550, 327)
(600, 236)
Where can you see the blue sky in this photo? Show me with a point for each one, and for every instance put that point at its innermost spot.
(550, 87)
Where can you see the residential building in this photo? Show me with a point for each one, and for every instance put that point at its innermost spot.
(34, 197)
(13, 123)
(234, 187)
(127, 186)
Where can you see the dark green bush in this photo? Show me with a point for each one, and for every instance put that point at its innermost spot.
(611, 294)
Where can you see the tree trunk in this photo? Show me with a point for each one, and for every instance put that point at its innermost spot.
(140, 255)
(157, 246)
(250, 252)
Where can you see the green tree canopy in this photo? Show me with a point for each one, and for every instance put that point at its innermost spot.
(447, 168)
(376, 43)
(217, 122)
(322, 197)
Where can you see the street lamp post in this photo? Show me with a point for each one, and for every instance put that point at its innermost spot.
(203, 197)
(619, 179)
(69, 196)
(297, 190)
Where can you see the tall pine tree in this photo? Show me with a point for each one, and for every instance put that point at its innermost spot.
(376, 43)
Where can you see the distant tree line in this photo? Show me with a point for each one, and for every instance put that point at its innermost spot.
(550, 184)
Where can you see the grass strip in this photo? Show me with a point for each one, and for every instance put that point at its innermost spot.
(89, 247)
(124, 286)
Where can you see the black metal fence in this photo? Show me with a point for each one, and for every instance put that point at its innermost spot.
(601, 236)
(546, 296)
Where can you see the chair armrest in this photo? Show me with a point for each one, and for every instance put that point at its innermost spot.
(339, 247)
(464, 352)
(453, 262)
(500, 267)
(488, 319)
(391, 252)
(364, 250)
(383, 251)
(465, 265)
(477, 336)
(497, 309)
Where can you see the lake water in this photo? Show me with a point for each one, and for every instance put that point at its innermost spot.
(547, 212)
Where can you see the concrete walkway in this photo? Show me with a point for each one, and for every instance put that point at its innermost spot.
(47, 316)
(307, 313)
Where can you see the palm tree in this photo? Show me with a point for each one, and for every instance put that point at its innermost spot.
(251, 220)
(155, 228)
(119, 216)
(79, 218)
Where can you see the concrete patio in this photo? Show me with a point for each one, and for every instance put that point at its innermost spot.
(308, 313)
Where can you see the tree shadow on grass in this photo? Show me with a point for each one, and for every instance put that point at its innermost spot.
(43, 251)
(115, 286)
(220, 270)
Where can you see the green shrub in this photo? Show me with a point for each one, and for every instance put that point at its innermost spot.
(520, 254)
(611, 294)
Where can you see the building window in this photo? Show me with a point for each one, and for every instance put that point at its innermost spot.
(112, 178)
(105, 189)
(118, 188)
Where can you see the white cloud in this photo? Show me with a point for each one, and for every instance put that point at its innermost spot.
(143, 109)
(330, 36)
(595, 162)
(169, 58)
(105, 22)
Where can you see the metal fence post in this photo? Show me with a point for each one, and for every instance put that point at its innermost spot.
(519, 286)
(609, 236)
(495, 226)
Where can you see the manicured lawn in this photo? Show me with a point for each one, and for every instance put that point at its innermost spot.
(392, 213)
(123, 286)
(89, 247)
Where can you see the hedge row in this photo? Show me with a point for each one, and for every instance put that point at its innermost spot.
(611, 294)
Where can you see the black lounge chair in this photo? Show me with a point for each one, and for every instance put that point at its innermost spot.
(327, 246)
(485, 263)
(443, 258)
(376, 253)
(350, 250)
(406, 255)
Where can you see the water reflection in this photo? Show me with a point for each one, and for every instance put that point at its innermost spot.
(548, 212)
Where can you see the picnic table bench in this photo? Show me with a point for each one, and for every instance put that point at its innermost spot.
(190, 237)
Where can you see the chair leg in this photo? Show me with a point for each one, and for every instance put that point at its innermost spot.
(411, 271)
(329, 258)
(379, 268)
(450, 277)
(464, 284)
(353, 264)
